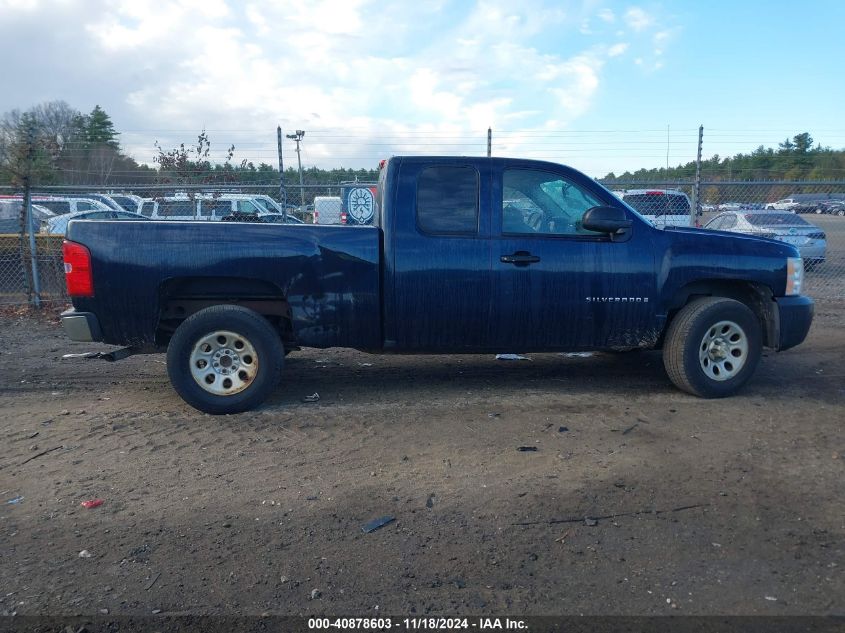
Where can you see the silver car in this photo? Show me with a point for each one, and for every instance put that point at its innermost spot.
(58, 224)
(777, 225)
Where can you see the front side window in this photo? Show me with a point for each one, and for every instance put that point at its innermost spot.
(541, 202)
(246, 206)
(447, 200)
(147, 208)
(84, 205)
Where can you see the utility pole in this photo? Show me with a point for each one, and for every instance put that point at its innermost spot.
(489, 142)
(27, 204)
(283, 194)
(696, 188)
(298, 138)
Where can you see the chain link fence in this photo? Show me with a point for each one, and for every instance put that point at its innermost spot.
(811, 215)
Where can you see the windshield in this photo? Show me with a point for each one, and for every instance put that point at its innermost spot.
(262, 204)
(776, 219)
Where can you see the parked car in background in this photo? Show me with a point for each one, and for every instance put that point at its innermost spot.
(10, 216)
(809, 239)
(65, 204)
(804, 202)
(328, 210)
(786, 204)
(58, 225)
(831, 207)
(663, 207)
(200, 207)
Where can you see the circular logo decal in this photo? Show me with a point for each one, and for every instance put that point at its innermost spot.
(361, 204)
(793, 231)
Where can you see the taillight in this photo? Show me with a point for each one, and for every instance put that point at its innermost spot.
(77, 258)
(343, 217)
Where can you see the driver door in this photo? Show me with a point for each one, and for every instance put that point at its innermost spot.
(557, 285)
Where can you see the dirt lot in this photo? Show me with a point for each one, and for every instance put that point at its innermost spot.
(251, 513)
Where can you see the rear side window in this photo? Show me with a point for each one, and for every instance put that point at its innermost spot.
(215, 206)
(176, 208)
(776, 219)
(84, 205)
(56, 206)
(447, 200)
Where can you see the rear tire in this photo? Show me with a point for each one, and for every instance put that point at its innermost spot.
(712, 347)
(225, 359)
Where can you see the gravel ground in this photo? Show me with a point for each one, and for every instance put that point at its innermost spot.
(691, 506)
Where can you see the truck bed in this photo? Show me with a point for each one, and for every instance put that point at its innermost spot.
(329, 275)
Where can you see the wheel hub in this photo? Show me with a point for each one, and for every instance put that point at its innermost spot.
(224, 363)
(718, 350)
(723, 350)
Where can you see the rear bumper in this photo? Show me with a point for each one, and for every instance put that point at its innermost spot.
(795, 314)
(81, 326)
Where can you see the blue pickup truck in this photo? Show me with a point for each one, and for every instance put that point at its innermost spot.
(465, 255)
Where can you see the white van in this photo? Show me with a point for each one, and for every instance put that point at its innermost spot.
(327, 210)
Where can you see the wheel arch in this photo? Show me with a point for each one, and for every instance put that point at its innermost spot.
(180, 297)
(758, 297)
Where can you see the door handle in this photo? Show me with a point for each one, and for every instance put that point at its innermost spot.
(520, 258)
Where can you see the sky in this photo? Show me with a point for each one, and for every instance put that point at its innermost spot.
(601, 86)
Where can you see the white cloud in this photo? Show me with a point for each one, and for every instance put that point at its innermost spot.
(637, 19)
(370, 69)
(606, 15)
(617, 49)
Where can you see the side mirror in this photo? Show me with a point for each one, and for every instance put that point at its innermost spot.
(611, 220)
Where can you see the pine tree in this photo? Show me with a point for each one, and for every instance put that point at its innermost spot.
(100, 129)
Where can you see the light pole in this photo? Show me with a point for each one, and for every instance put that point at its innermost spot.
(298, 138)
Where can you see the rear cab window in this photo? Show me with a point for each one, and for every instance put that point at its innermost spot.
(447, 200)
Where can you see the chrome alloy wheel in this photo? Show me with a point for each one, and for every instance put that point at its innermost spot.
(723, 350)
(224, 363)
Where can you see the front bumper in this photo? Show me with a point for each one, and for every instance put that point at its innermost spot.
(795, 314)
(81, 326)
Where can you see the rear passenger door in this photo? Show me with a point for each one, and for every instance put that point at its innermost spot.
(438, 296)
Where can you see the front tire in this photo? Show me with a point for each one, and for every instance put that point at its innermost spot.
(712, 347)
(225, 359)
